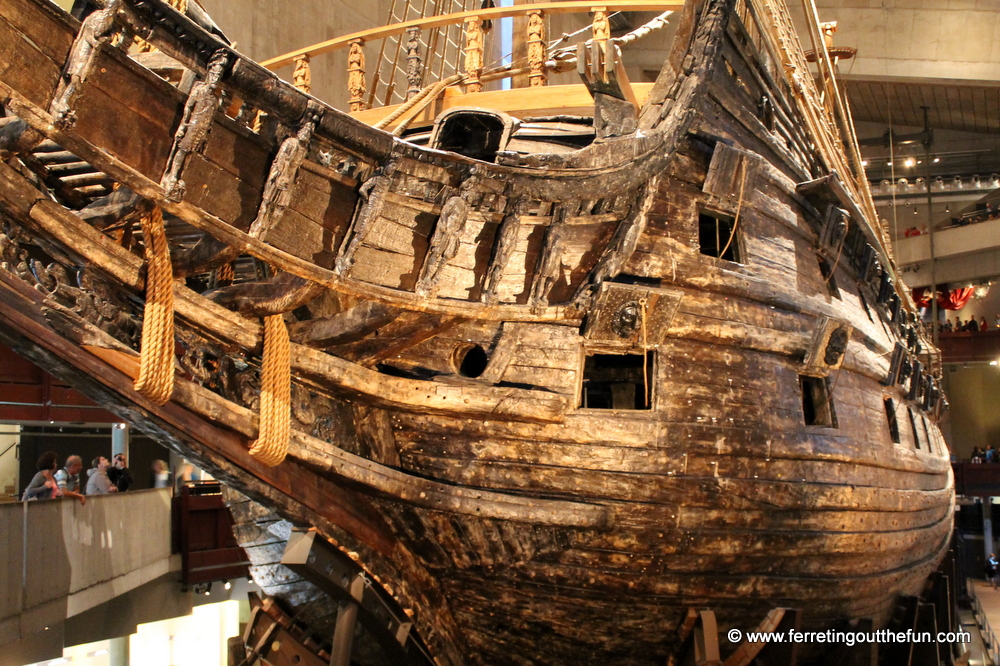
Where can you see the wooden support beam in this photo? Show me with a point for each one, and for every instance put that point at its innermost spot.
(706, 640)
(343, 327)
(310, 556)
(276, 295)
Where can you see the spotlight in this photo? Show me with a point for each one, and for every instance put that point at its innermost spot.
(888, 163)
(864, 163)
(915, 211)
(947, 208)
(208, 589)
(228, 585)
(936, 160)
(993, 362)
(909, 162)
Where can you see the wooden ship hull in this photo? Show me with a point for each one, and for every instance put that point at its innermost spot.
(548, 400)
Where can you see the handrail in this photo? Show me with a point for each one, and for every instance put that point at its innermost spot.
(992, 645)
(574, 6)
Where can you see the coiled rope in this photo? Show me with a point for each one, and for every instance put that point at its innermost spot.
(226, 273)
(156, 362)
(275, 394)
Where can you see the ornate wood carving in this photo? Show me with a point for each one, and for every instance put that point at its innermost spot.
(547, 270)
(446, 239)
(601, 25)
(97, 29)
(503, 248)
(414, 63)
(281, 178)
(356, 74)
(536, 48)
(199, 113)
(473, 54)
(372, 195)
(302, 75)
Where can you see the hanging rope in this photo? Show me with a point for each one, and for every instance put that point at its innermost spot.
(739, 207)
(275, 394)
(156, 363)
(645, 355)
(226, 273)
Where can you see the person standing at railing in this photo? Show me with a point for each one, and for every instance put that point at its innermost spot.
(98, 482)
(43, 485)
(993, 570)
(68, 479)
(119, 474)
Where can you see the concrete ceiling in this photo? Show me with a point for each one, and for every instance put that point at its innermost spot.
(952, 105)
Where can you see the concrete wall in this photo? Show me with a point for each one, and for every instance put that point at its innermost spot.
(947, 39)
(264, 29)
(973, 419)
(59, 558)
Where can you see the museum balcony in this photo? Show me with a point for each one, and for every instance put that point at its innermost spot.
(79, 573)
(964, 347)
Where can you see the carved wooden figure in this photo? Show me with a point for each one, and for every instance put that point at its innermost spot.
(414, 63)
(97, 29)
(536, 48)
(281, 178)
(473, 54)
(302, 75)
(356, 74)
(199, 114)
(447, 237)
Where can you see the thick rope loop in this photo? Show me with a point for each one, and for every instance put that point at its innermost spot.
(275, 429)
(156, 363)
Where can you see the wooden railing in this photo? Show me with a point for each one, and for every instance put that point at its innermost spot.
(472, 22)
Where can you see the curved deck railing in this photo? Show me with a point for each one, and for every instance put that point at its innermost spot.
(472, 22)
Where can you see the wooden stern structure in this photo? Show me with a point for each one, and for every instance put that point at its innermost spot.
(550, 400)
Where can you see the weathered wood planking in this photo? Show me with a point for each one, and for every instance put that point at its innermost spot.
(34, 44)
(227, 177)
(146, 112)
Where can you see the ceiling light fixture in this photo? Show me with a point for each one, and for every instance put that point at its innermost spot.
(909, 162)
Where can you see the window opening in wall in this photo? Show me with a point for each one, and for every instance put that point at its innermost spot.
(927, 433)
(817, 405)
(827, 272)
(617, 381)
(913, 426)
(890, 415)
(717, 236)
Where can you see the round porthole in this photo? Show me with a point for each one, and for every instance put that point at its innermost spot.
(471, 360)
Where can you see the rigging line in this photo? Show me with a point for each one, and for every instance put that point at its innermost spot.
(9, 448)
(739, 207)
(839, 371)
(645, 355)
(892, 144)
(836, 262)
